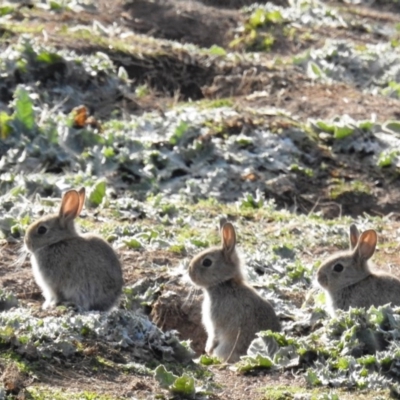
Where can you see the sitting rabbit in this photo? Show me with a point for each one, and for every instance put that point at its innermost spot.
(233, 312)
(349, 280)
(69, 267)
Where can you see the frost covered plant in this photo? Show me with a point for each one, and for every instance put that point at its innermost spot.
(58, 78)
(304, 12)
(259, 31)
(29, 55)
(356, 349)
(125, 330)
(132, 150)
(7, 300)
(388, 158)
(373, 67)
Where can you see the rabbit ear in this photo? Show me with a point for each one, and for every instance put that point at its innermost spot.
(70, 207)
(228, 236)
(354, 236)
(222, 222)
(81, 193)
(367, 244)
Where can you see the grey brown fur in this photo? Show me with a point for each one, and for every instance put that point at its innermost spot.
(233, 312)
(357, 285)
(72, 268)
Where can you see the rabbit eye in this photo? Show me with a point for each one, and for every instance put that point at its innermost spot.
(207, 262)
(338, 267)
(42, 230)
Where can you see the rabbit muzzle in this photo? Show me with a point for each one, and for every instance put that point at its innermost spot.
(192, 274)
(28, 244)
(322, 279)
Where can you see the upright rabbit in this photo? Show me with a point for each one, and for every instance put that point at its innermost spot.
(349, 280)
(233, 312)
(70, 267)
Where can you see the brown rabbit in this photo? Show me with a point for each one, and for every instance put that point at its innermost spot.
(349, 280)
(70, 267)
(233, 312)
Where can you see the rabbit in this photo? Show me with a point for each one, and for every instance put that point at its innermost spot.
(232, 312)
(349, 280)
(69, 267)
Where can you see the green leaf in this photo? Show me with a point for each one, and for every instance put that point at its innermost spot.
(217, 50)
(249, 363)
(48, 58)
(200, 243)
(386, 158)
(314, 71)
(325, 126)
(258, 18)
(342, 363)
(163, 377)
(342, 131)
(108, 152)
(24, 109)
(55, 6)
(184, 385)
(97, 193)
(177, 249)
(5, 127)
(4, 10)
(367, 360)
(312, 378)
(249, 201)
(179, 132)
(366, 125)
(208, 360)
(243, 140)
(133, 243)
(393, 126)
(142, 90)
(274, 16)
(6, 333)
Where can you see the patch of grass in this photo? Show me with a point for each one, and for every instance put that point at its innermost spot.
(40, 393)
(206, 104)
(142, 91)
(179, 249)
(10, 356)
(282, 392)
(293, 392)
(340, 186)
(138, 44)
(298, 169)
(257, 33)
(19, 28)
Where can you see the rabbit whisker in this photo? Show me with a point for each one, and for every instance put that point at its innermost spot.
(234, 345)
(23, 253)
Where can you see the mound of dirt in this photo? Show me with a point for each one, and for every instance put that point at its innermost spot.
(183, 21)
(179, 309)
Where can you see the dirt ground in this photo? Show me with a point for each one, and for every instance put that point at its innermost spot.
(181, 76)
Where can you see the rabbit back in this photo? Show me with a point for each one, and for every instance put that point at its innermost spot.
(83, 270)
(233, 313)
(374, 290)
